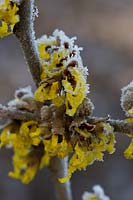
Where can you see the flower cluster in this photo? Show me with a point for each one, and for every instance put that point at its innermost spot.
(63, 75)
(8, 17)
(127, 105)
(27, 159)
(62, 103)
(89, 141)
(22, 137)
(97, 195)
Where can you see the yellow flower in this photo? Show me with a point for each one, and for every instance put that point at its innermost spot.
(54, 66)
(75, 91)
(128, 153)
(8, 17)
(61, 61)
(21, 145)
(29, 134)
(55, 148)
(130, 111)
(43, 44)
(5, 137)
(80, 160)
(92, 197)
(84, 155)
(130, 120)
(59, 100)
(45, 161)
(25, 168)
(8, 12)
(47, 91)
(25, 140)
(5, 29)
(42, 51)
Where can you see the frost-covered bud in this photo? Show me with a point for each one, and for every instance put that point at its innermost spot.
(24, 100)
(127, 99)
(47, 111)
(97, 195)
(85, 109)
(22, 92)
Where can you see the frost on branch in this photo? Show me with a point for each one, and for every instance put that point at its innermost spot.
(98, 194)
(16, 1)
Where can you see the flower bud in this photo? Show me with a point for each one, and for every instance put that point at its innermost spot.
(127, 99)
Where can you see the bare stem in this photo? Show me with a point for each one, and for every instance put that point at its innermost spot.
(24, 31)
(120, 126)
(58, 168)
(13, 113)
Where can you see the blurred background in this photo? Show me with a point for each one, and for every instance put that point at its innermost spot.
(105, 29)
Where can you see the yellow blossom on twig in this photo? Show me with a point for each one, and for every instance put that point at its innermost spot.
(8, 17)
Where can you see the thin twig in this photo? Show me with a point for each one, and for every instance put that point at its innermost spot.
(24, 31)
(13, 113)
(58, 168)
(120, 126)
